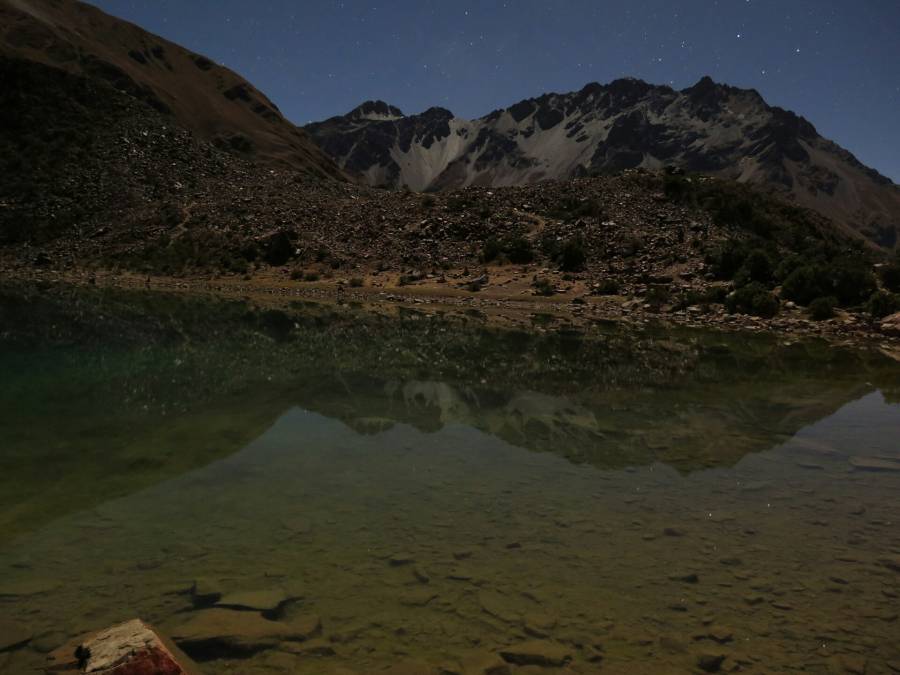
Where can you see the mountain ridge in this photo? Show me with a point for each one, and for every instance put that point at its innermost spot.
(708, 127)
(206, 98)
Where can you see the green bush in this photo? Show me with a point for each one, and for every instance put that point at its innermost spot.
(491, 250)
(804, 284)
(658, 295)
(573, 256)
(310, 276)
(607, 287)
(822, 308)
(714, 295)
(757, 266)
(853, 281)
(890, 276)
(882, 304)
(356, 282)
(572, 208)
(727, 259)
(676, 188)
(517, 250)
(755, 299)
(543, 286)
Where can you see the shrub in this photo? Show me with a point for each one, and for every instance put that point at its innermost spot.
(881, 304)
(822, 308)
(492, 250)
(607, 287)
(296, 274)
(675, 187)
(310, 276)
(727, 259)
(890, 276)
(753, 299)
(757, 266)
(428, 202)
(853, 281)
(572, 256)
(571, 208)
(475, 285)
(804, 284)
(543, 286)
(714, 295)
(519, 250)
(356, 282)
(658, 295)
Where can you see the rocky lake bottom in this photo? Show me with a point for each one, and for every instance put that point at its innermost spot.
(322, 490)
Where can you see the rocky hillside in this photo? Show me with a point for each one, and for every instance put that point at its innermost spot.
(709, 128)
(198, 95)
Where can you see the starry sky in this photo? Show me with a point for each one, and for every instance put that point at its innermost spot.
(836, 62)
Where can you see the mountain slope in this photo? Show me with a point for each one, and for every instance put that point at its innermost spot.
(710, 128)
(200, 96)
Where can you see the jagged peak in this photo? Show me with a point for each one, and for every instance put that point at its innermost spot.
(376, 110)
(437, 112)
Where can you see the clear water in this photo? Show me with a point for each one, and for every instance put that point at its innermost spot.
(435, 492)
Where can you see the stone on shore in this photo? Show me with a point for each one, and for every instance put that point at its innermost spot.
(130, 648)
(891, 324)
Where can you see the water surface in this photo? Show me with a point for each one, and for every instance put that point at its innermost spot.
(423, 492)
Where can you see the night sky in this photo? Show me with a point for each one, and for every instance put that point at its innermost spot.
(836, 62)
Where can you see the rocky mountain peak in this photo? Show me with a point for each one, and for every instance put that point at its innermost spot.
(437, 113)
(709, 127)
(375, 110)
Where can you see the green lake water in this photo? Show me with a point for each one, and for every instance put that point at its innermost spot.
(421, 493)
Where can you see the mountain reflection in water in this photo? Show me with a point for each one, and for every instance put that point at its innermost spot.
(154, 439)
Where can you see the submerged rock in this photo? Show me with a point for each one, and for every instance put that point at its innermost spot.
(499, 606)
(317, 647)
(874, 464)
(268, 601)
(206, 592)
(215, 632)
(710, 662)
(13, 635)
(399, 559)
(537, 653)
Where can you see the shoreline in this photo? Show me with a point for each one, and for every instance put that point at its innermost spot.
(508, 298)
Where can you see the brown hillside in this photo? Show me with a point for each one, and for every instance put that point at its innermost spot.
(203, 97)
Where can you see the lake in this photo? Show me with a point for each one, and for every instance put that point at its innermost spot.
(312, 488)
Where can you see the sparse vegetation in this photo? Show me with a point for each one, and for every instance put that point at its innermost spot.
(848, 280)
(715, 295)
(573, 256)
(890, 275)
(607, 286)
(754, 299)
(882, 304)
(543, 286)
(821, 309)
(516, 249)
(356, 282)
